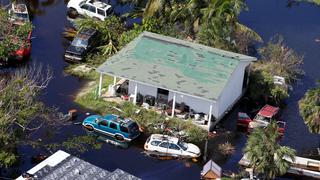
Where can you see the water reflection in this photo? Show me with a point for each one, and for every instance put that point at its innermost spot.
(37, 8)
(108, 139)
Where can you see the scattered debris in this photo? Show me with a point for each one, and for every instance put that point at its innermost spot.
(83, 68)
(226, 148)
(72, 113)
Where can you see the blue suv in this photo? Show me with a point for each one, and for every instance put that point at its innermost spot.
(112, 125)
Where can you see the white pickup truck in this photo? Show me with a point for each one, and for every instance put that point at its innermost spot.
(92, 8)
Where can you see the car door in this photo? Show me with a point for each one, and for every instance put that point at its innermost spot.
(103, 126)
(88, 10)
(174, 149)
(101, 14)
(113, 128)
(164, 147)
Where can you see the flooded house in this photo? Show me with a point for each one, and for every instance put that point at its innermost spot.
(185, 77)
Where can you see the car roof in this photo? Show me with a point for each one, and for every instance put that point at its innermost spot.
(161, 137)
(99, 4)
(86, 33)
(268, 111)
(20, 8)
(118, 119)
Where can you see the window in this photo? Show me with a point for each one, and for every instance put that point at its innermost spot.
(124, 129)
(108, 11)
(103, 123)
(85, 6)
(173, 146)
(101, 12)
(164, 145)
(78, 42)
(92, 9)
(113, 125)
(155, 143)
(183, 145)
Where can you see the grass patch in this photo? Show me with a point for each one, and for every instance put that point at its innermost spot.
(317, 2)
(73, 69)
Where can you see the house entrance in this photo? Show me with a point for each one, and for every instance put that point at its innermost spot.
(162, 96)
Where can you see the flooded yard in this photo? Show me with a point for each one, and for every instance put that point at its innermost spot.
(299, 25)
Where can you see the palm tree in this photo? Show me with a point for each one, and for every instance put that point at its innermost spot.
(266, 156)
(151, 8)
(188, 14)
(309, 107)
(110, 29)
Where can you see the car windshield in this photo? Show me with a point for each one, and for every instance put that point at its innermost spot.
(98, 120)
(133, 127)
(108, 11)
(22, 16)
(262, 118)
(80, 42)
(183, 145)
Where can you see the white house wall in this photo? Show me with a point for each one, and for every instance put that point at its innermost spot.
(231, 92)
(233, 89)
(142, 89)
(199, 105)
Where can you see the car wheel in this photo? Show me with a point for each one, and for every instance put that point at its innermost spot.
(89, 127)
(73, 13)
(95, 18)
(119, 137)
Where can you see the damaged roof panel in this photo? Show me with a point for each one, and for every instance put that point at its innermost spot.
(174, 64)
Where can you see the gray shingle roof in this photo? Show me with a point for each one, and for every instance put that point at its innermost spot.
(73, 168)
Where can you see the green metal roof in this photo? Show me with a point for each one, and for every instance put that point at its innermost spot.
(175, 65)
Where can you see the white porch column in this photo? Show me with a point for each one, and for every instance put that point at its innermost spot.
(173, 104)
(135, 93)
(249, 71)
(210, 115)
(114, 80)
(100, 85)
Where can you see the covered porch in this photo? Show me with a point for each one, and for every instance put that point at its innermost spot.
(168, 102)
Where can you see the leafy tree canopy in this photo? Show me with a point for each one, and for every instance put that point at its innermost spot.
(12, 36)
(21, 112)
(309, 107)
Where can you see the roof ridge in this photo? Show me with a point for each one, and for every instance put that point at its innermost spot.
(198, 46)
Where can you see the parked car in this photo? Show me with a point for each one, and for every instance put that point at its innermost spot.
(18, 16)
(84, 42)
(19, 13)
(164, 145)
(121, 129)
(92, 8)
(262, 119)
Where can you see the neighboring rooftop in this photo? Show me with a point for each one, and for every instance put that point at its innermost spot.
(174, 64)
(211, 170)
(63, 166)
(268, 111)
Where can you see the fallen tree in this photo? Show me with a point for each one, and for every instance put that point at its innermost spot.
(21, 111)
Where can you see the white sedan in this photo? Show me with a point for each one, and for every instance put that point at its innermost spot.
(171, 146)
(92, 8)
